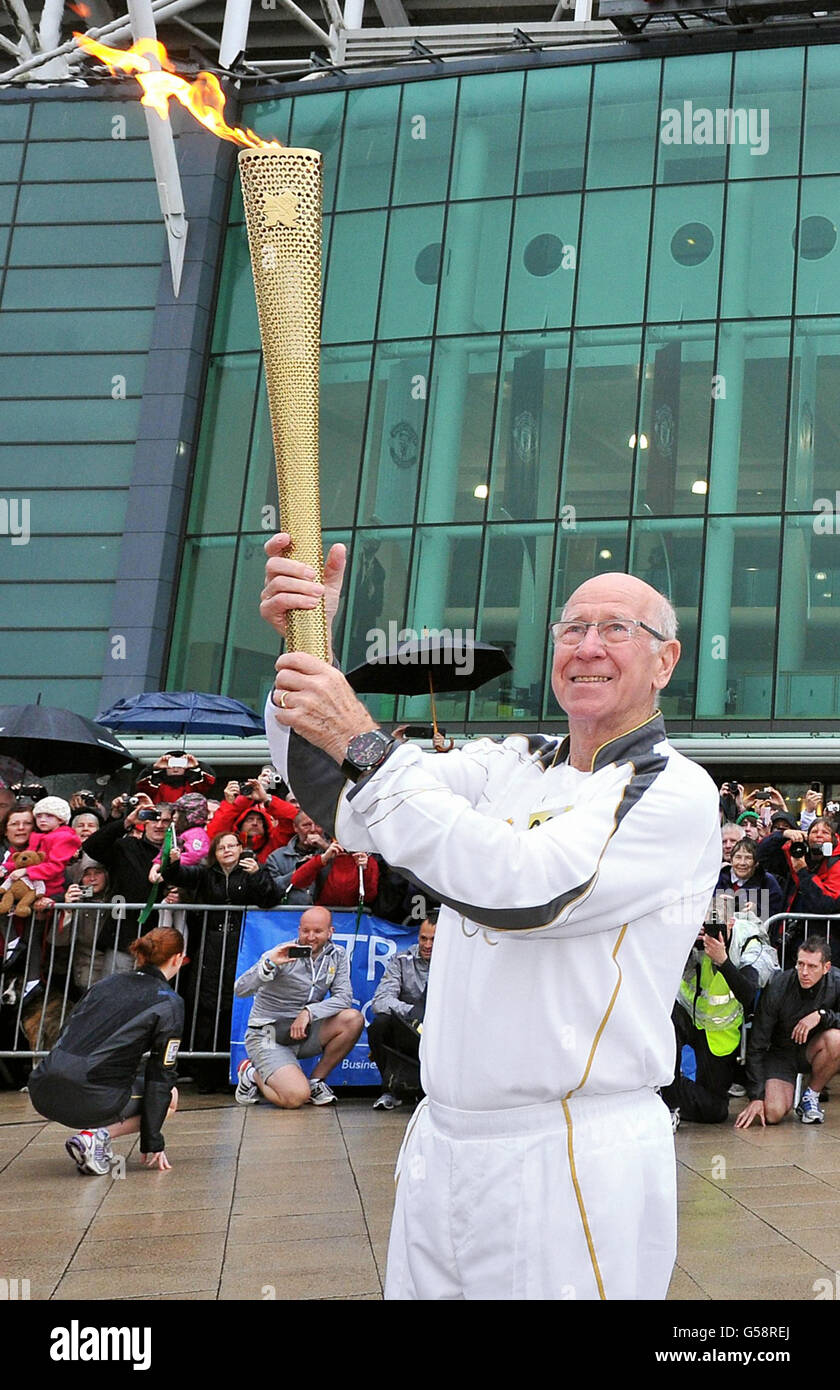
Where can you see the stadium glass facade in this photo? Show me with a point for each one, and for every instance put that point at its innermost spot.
(557, 340)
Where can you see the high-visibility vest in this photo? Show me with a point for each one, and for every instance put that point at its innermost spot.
(712, 1007)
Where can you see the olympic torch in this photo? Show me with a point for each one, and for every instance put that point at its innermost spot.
(281, 190)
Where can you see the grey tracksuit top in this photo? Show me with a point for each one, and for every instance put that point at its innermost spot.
(405, 978)
(283, 990)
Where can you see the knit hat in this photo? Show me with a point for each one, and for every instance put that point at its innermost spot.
(53, 806)
(779, 816)
(747, 815)
(194, 808)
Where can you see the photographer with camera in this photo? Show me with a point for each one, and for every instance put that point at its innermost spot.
(83, 928)
(814, 882)
(127, 845)
(718, 986)
(174, 774)
(261, 821)
(291, 1017)
(307, 840)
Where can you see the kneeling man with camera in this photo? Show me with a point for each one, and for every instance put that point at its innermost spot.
(292, 1017)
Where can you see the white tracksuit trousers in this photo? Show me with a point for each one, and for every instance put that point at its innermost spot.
(573, 1199)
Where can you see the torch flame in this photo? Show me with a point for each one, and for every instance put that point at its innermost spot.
(203, 98)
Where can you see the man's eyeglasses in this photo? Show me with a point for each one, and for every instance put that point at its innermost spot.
(612, 631)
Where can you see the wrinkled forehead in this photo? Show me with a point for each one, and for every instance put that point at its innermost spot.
(612, 595)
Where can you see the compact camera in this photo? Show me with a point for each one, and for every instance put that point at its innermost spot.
(300, 952)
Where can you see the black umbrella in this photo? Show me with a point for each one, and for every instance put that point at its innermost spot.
(48, 741)
(425, 665)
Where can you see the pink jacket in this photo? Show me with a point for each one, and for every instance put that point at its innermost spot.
(194, 844)
(59, 845)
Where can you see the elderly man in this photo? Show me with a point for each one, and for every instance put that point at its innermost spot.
(302, 1009)
(542, 1163)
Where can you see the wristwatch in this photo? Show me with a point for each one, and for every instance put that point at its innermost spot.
(365, 752)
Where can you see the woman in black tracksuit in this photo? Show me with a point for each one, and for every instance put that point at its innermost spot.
(95, 1076)
(232, 877)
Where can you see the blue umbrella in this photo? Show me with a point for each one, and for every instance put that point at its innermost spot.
(182, 712)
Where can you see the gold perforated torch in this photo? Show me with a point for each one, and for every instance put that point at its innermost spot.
(281, 189)
(282, 192)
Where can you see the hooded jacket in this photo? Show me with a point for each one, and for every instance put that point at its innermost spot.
(60, 846)
(278, 817)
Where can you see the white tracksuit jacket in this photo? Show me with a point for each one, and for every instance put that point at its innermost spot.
(572, 900)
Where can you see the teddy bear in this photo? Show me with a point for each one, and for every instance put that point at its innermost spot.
(20, 893)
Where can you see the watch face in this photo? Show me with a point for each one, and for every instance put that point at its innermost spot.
(366, 750)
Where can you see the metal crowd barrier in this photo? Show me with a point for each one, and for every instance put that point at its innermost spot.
(799, 917)
(50, 959)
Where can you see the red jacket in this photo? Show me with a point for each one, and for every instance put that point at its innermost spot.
(341, 888)
(816, 891)
(278, 817)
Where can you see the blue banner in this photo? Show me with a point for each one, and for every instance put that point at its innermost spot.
(369, 948)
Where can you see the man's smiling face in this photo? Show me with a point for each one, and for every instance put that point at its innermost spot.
(613, 686)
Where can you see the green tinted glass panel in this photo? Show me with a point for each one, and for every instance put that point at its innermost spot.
(107, 465)
(82, 696)
(814, 463)
(612, 257)
(250, 650)
(355, 261)
(88, 120)
(529, 427)
(693, 140)
(668, 555)
(554, 130)
(821, 151)
(79, 650)
(99, 330)
(236, 326)
(513, 611)
(685, 252)
(127, 287)
(14, 118)
(80, 511)
(395, 426)
(543, 262)
(345, 380)
(316, 124)
(738, 619)
(758, 214)
(750, 406)
(8, 194)
(425, 142)
(60, 558)
(88, 159)
(367, 152)
(88, 202)
(474, 262)
(601, 423)
(25, 605)
(197, 650)
(376, 587)
(624, 129)
(32, 422)
(808, 681)
(10, 162)
(143, 244)
(672, 446)
(412, 272)
(818, 261)
(444, 579)
(486, 133)
(462, 401)
(768, 87)
(223, 447)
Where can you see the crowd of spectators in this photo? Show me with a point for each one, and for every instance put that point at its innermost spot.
(252, 847)
(256, 847)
